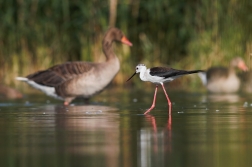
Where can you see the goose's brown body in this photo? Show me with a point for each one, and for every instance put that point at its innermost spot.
(222, 80)
(85, 79)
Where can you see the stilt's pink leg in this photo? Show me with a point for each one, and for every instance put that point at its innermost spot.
(154, 101)
(169, 102)
(66, 103)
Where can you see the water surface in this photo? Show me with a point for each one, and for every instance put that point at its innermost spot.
(111, 131)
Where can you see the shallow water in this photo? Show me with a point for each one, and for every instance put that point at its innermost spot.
(204, 130)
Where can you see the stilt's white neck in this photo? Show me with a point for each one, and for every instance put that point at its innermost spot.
(143, 74)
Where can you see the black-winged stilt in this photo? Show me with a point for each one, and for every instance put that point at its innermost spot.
(79, 79)
(222, 79)
(160, 75)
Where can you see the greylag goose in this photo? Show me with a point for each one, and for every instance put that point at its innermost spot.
(222, 79)
(79, 79)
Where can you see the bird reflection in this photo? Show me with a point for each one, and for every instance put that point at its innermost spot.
(230, 98)
(152, 120)
(90, 130)
(85, 109)
(156, 142)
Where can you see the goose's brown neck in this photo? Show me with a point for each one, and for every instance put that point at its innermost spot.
(108, 49)
(231, 67)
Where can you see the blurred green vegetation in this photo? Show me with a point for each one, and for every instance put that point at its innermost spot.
(186, 34)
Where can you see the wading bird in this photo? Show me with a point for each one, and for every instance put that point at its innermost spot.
(79, 79)
(222, 79)
(160, 75)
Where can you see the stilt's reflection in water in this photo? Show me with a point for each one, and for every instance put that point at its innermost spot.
(155, 143)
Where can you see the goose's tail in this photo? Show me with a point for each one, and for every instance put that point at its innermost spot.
(22, 79)
(203, 77)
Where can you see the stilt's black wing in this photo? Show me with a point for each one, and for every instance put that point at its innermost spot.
(167, 72)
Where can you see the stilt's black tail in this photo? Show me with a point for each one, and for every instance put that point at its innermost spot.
(193, 71)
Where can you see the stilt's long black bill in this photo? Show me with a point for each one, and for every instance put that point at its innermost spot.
(131, 77)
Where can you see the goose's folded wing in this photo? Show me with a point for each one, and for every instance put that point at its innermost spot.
(58, 74)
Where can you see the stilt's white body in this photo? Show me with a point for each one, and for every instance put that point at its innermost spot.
(145, 75)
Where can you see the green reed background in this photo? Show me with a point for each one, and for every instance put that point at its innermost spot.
(187, 34)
